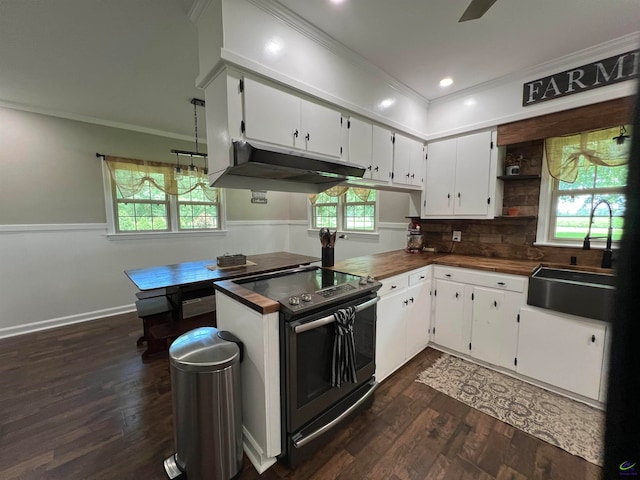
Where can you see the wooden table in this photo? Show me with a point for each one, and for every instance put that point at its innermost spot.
(184, 281)
(164, 288)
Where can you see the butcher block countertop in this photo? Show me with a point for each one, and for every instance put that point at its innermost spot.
(388, 264)
(385, 265)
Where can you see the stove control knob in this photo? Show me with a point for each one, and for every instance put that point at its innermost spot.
(363, 281)
(294, 301)
(370, 279)
(305, 297)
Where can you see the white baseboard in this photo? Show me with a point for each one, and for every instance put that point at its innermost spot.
(59, 322)
(255, 454)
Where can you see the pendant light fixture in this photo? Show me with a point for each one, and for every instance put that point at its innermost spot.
(177, 171)
(192, 171)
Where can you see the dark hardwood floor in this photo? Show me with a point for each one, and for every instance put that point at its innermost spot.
(77, 402)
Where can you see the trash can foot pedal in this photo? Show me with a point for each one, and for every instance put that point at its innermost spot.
(171, 467)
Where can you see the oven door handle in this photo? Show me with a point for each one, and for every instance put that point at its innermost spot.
(305, 327)
(300, 441)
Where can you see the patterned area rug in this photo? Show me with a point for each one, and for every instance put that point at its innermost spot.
(565, 423)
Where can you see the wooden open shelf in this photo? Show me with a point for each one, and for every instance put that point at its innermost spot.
(518, 177)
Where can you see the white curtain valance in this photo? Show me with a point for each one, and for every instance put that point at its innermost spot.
(597, 147)
(132, 175)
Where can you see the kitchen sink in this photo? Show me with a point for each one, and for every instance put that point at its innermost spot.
(586, 294)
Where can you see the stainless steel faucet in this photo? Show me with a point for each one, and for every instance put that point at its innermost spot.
(607, 255)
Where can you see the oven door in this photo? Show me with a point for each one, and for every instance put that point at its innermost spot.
(308, 361)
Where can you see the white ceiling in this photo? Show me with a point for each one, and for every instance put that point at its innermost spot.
(134, 62)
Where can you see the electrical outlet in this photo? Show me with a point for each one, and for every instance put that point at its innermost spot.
(457, 236)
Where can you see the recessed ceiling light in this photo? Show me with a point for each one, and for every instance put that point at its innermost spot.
(273, 46)
(445, 82)
(337, 1)
(386, 103)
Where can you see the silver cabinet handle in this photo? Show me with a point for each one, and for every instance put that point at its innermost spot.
(300, 441)
(331, 318)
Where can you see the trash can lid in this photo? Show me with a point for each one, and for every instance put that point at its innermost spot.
(202, 349)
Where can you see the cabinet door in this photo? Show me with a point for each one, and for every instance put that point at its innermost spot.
(562, 350)
(418, 318)
(390, 334)
(270, 115)
(402, 152)
(473, 162)
(449, 315)
(360, 144)
(417, 167)
(494, 331)
(319, 129)
(439, 184)
(381, 153)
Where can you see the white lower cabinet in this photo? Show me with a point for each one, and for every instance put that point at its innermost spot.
(449, 325)
(403, 320)
(476, 313)
(562, 350)
(494, 330)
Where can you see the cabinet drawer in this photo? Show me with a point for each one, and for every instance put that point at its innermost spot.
(419, 276)
(393, 284)
(504, 281)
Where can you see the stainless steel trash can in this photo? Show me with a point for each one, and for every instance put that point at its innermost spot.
(207, 410)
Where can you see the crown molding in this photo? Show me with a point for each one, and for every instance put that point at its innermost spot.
(279, 11)
(95, 121)
(196, 9)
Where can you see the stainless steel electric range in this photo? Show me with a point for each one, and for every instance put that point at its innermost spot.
(309, 297)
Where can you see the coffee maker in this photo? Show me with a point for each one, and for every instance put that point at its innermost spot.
(414, 237)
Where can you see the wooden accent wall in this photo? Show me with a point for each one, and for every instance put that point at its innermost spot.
(581, 119)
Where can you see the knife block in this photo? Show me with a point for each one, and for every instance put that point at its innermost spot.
(327, 257)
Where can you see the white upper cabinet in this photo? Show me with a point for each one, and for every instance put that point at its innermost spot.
(274, 116)
(460, 177)
(320, 129)
(408, 161)
(381, 154)
(270, 115)
(372, 147)
(360, 143)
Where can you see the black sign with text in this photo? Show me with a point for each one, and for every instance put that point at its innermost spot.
(625, 66)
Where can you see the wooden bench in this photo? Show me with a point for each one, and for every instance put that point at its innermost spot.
(158, 328)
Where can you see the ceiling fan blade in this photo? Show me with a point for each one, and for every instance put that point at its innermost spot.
(476, 9)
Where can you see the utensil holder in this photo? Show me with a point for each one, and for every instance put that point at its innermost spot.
(327, 257)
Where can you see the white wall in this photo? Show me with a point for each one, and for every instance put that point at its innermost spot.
(500, 101)
(308, 61)
(57, 264)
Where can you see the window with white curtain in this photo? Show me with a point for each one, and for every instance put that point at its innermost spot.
(148, 197)
(583, 169)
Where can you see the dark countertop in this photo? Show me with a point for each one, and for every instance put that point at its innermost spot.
(188, 274)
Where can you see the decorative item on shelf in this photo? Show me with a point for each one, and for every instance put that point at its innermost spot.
(513, 211)
(192, 171)
(512, 165)
(414, 237)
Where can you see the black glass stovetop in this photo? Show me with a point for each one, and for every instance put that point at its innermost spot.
(307, 288)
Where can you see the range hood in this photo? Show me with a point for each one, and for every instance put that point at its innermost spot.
(262, 168)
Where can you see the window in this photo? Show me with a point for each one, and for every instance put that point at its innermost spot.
(145, 197)
(583, 170)
(347, 209)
